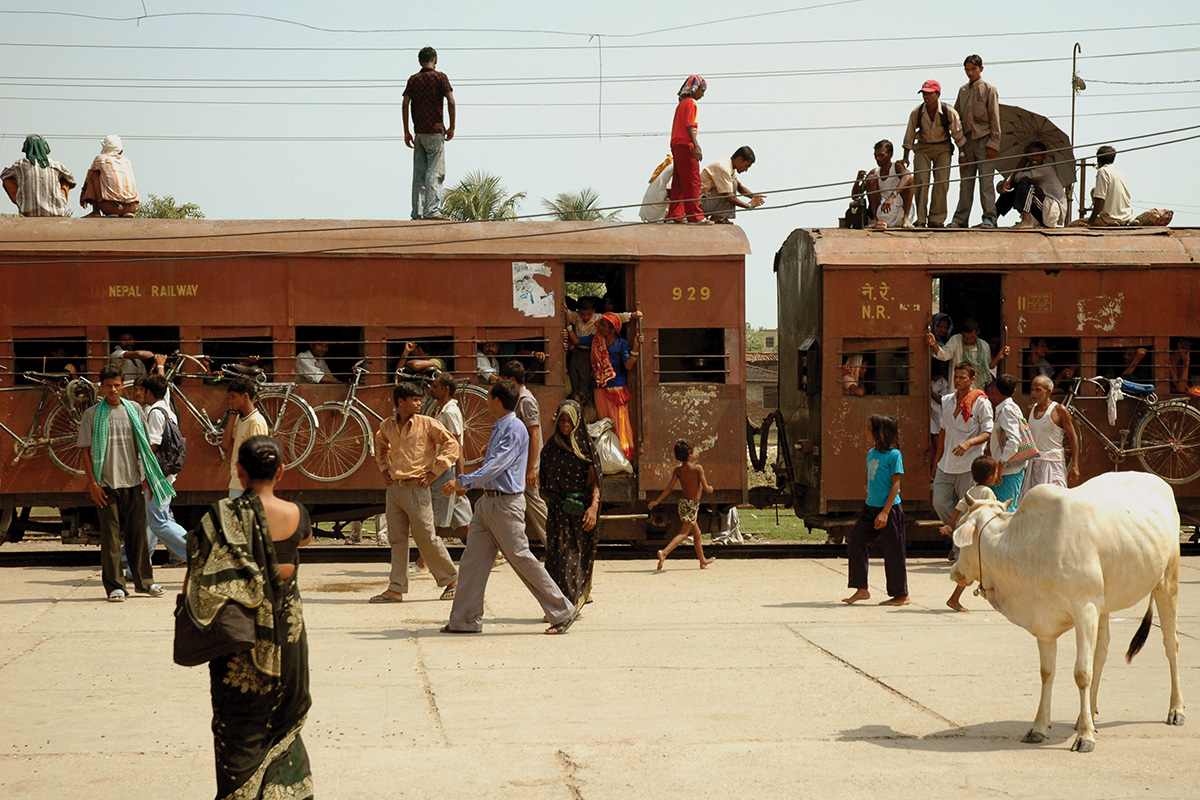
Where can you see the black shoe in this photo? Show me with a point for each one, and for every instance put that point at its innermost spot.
(935, 225)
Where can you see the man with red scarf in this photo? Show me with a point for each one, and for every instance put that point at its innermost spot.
(966, 428)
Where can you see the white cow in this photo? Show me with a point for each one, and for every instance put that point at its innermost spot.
(1069, 557)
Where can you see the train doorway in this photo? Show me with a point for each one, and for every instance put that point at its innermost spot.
(973, 296)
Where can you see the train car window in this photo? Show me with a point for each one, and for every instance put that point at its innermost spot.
(1183, 372)
(1056, 357)
(1131, 359)
(346, 345)
(808, 367)
(438, 349)
(692, 355)
(524, 349)
(875, 367)
(250, 351)
(152, 338)
(607, 283)
(49, 354)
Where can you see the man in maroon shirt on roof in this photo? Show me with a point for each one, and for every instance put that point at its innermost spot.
(424, 94)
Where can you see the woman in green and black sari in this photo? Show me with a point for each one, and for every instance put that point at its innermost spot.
(244, 551)
(569, 481)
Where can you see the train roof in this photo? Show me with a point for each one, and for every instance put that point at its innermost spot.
(1035, 248)
(601, 241)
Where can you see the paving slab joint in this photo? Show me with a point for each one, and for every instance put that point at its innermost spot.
(430, 697)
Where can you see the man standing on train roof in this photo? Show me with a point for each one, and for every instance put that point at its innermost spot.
(720, 187)
(36, 183)
(424, 95)
(889, 189)
(931, 127)
(978, 107)
(109, 186)
(311, 366)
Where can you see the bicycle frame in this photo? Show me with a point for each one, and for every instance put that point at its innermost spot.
(26, 446)
(1117, 452)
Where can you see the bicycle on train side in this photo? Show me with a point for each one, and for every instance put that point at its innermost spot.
(344, 428)
(70, 396)
(1164, 435)
(290, 418)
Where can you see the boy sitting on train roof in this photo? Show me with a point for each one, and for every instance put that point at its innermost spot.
(889, 189)
(1034, 190)
(1111, 204)
(720, 187)
(37, 184)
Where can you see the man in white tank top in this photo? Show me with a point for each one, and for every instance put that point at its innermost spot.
(1049, 422)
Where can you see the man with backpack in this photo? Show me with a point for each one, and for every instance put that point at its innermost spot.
(931, 127)
(170, 450)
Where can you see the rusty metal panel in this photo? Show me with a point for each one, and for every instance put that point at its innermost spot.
(710, 417)
(692, 294)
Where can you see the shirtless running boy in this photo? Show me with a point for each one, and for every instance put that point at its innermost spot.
(692, 484)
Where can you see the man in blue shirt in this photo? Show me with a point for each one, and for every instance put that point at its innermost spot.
(498, 524)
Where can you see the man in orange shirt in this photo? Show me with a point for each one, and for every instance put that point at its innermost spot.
(411, 451)
(685, 149)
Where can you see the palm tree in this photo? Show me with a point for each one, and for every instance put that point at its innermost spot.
(481, 196)
(567, 207)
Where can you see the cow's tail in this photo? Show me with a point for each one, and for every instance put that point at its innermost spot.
(1143, 633)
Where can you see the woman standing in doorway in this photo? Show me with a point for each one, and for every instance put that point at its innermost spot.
(612, 358)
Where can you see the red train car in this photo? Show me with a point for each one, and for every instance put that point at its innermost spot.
(69, 288)
(1088, 297)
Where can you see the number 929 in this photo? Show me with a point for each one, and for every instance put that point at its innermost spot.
(691, 293)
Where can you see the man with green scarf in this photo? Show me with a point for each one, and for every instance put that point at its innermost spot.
(970, 347)
(120, 461)
(36, 183)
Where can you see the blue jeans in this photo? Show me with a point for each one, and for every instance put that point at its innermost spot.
(161, 525)
(429, 172)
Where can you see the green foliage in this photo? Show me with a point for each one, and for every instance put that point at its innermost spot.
(755, 342)
(578, 207)
(155, 207)
(481, 196)
(584, 288)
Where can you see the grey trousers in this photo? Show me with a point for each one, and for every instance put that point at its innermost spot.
(976, 151)
(123, 521)
(947, 491)
(932, 160)
(718, 207)
(410, 510)
(498, 525)
(535, 515)
(429, 172)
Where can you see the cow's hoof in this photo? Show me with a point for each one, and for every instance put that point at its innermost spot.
(1082, 745)
(1175, 717)
(1033, 737)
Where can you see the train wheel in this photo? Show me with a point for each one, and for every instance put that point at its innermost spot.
(1174, 429)
(341, 443)
(477, 423)
(290, 420)
(61, 432)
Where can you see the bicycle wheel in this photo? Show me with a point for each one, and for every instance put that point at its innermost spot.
(477, 423)
(1173, 428)
(290, 420)
(61, 432)
(341, 443)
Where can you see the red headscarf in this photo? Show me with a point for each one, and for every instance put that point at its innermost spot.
(602, 368)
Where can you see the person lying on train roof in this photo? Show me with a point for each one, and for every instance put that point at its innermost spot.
(37, 184)
(109, 186)
(889, 189)
(311, 366)
(1034, 190)
(720, 187)
(969, 346)
(415, 359)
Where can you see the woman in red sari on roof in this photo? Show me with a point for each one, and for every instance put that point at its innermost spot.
(612, 357)
(685, 149)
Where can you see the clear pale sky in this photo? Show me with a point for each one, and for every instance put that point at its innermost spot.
(779, 80)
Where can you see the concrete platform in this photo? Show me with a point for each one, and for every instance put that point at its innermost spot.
(747, 679)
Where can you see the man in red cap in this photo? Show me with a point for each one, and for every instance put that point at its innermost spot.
(931, 127)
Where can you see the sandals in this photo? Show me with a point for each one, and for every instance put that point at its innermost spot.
(448, 594)
(447, 629)
(385, 598)
(116, 596)
(560, 628)
(154, 591)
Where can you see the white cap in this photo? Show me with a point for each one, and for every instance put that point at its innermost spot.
(111, 144)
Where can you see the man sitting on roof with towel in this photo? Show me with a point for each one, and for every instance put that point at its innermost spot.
(109, 186)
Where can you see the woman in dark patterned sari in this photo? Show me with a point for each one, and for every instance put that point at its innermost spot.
(569, 481)
(244, 551)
